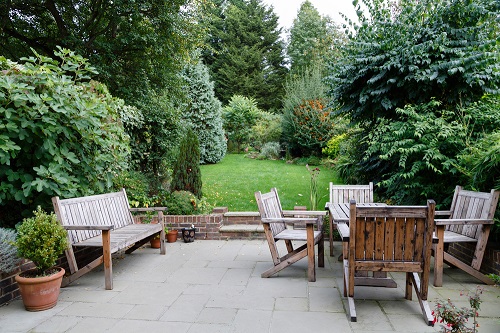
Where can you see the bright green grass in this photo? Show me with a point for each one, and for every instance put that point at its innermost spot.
(233, 181)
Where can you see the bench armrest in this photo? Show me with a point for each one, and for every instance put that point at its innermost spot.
(304, 212)
(463, 221)
(148, 209)
(293, 220)
(89, 227)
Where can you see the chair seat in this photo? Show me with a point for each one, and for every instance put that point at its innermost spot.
(298, 235)
(452, 237)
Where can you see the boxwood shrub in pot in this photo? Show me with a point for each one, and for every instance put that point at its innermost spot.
(42, 240)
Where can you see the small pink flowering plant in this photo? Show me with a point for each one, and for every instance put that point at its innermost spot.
(455, 319)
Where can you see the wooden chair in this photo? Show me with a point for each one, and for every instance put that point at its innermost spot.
(344, 193)
(275, 228)
(389, 239)
(470, 218)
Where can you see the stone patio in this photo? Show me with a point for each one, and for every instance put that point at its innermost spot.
(215, 286)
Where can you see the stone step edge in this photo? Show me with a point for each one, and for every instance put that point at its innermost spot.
(241, 228)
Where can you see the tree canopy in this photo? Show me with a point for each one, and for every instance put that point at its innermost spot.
(246, 53)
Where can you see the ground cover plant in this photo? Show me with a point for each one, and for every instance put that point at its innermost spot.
(233, 181)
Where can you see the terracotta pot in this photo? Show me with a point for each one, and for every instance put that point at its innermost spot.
(155, 243)
(40, 293)
(172, 236)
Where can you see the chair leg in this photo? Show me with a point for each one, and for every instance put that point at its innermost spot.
(330, 220)
(424, 305)
(438, 257)
(321, 253)
(408, 289)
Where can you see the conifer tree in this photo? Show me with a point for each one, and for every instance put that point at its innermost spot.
(186, 174)
(203, 112)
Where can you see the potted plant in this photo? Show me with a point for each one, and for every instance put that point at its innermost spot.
(171, 234)
(42, 240)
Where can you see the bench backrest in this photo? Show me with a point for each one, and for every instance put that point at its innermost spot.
(270, 207)
(345, 193)
(102, 209)
(472, 205)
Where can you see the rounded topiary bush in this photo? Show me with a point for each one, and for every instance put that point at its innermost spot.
(41, 239)
(181, 203)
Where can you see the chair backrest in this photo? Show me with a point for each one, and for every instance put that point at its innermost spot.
(472, 205)
(270, 207)
(345, 193)
(391, 238)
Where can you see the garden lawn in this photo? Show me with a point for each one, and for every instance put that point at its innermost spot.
(233, 181)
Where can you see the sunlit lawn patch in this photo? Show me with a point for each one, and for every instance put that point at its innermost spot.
(233, 181)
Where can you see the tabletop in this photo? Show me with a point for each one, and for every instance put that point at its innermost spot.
(340, 211)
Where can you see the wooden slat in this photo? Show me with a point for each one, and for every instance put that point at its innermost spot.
(399, 238)
(409, 239)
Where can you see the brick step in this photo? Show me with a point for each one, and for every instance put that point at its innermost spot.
(242, 231)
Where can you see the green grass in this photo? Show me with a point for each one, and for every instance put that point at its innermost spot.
(233, 181)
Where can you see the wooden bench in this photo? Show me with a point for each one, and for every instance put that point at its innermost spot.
(105, 221)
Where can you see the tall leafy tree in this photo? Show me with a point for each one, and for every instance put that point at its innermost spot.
(407, 58)
(203, 112)
(246, 55)
(312, 38)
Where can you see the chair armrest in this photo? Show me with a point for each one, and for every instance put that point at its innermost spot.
(344, 232)
(304, 212)
(148, 209)
(462, 221)
(89, 227)
(442, 212)
(293, 220)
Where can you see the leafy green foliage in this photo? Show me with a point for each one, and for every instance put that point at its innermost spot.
(8, 251)
(428, 49)
(270, 151)
(307, 127)
(61, 134)
(420, 150)
(313, 39)
(181, 203)
(41, 239)
(239, 117)
(246, 53)
(186, 174)
(332, 148)
(137, 47)
(267, 129)
(204, 113)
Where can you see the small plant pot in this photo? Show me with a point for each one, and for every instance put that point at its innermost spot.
(188, 234)
(155, 243)
(172, 236)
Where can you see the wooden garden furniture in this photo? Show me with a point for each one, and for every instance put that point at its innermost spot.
(104, 221)
(275, 223)
(389, 239)
(342, 194)
(469, 220)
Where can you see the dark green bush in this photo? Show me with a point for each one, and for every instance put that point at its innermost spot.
(186, 174)
(181, 203)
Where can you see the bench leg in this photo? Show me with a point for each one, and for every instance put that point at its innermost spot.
(311, 266)
(106, 253)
